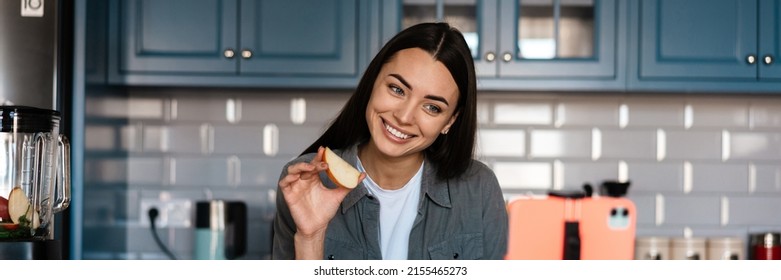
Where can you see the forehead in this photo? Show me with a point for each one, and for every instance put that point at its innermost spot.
(422, 72)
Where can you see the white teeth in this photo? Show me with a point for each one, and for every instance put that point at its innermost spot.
(396, 132)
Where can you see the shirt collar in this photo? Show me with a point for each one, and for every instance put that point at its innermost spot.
(435, 189)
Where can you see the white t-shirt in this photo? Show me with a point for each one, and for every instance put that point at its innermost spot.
(398, 209)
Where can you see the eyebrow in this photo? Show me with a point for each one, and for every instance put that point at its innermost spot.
(406, 84)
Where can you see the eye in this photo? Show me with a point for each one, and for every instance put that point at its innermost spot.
(396, 90)
(431, 108)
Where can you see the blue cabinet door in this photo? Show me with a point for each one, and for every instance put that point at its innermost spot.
(601, 65)
(769, 39)
(187, 36)
(698, 39)
(299, 37)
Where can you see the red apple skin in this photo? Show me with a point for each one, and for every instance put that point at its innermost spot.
(4, 215)
(8, 226)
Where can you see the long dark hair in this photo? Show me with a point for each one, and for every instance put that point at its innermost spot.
(451, 152)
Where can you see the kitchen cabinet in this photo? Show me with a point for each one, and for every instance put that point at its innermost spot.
(240, 42)
(530, 44)
(704, 45)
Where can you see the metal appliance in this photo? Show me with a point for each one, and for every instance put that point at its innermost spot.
(34, 80)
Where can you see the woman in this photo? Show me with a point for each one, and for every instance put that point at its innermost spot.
(410, 128)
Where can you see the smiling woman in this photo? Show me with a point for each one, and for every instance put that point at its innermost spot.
(410, 129)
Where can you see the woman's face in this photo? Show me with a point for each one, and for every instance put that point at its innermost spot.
(413, 100)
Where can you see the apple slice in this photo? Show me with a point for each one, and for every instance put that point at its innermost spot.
(5, 217)
(19, 207)
(339, 171)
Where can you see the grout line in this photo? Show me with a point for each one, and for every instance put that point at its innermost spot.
(298, 110)
(724, 210)
(174, 109)
(560, 116)
(270, 139)
(558, 175)
(661, 144)
(752, 177)
(596, 144)
(172, 171)
(659, 209)
(623, 171)
(725, 145)
(687, 177)
(623, 115)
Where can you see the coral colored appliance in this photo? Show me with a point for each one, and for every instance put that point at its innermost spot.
(572, 226)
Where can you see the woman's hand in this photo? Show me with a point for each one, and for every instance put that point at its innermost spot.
(311, 204)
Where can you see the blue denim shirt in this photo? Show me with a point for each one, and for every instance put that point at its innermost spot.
(464, 218)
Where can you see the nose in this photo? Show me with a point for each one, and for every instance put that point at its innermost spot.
(405, 113)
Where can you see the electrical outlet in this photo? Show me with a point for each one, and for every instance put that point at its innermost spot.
(174, 213)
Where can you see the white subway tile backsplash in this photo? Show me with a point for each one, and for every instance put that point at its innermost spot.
(201, 109)
(585, 113)
(295, 138)
(130, 137)
(765, 114)
(184, 138)
(529, 113)
(145, 108)
(645, 206)
(651, 177)
(767, 178)
(483, 112)
(272, 109)
(524, 175)
(578, 173)
(501, 143)
(755, 210)
(155, 138)
(106, 170)
(261, 172)
(655, 113)
(107, 107)
(100, 138)
(692, 210)
(550, 143)
(241, 139)
(629, 144)
(729, 114)
(150, 171)
(755, 145)
(723, 178)
(690, 144)
(707, 164)
(322, 110)
(200, 172)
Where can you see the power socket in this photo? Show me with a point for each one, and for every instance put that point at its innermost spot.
(176, 213)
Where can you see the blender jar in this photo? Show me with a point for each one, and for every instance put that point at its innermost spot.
(34, 172)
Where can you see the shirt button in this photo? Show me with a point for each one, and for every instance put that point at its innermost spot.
(455, 255)
(331, 257)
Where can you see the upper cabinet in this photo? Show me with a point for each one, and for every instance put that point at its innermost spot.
(706, 45)
(241, 42)
(529, 44)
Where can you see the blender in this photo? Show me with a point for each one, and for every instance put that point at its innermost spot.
(34, 181)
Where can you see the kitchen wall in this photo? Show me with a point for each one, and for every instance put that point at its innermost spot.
(703, 165)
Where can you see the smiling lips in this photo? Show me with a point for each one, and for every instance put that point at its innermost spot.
(396, 133)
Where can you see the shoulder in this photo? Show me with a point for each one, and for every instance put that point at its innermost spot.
(478, 170)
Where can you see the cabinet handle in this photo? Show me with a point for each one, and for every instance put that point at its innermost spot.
(490, 56)
(768, 59)
(229, 53)
(751, 59)
(507, 57)
(245, 53)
